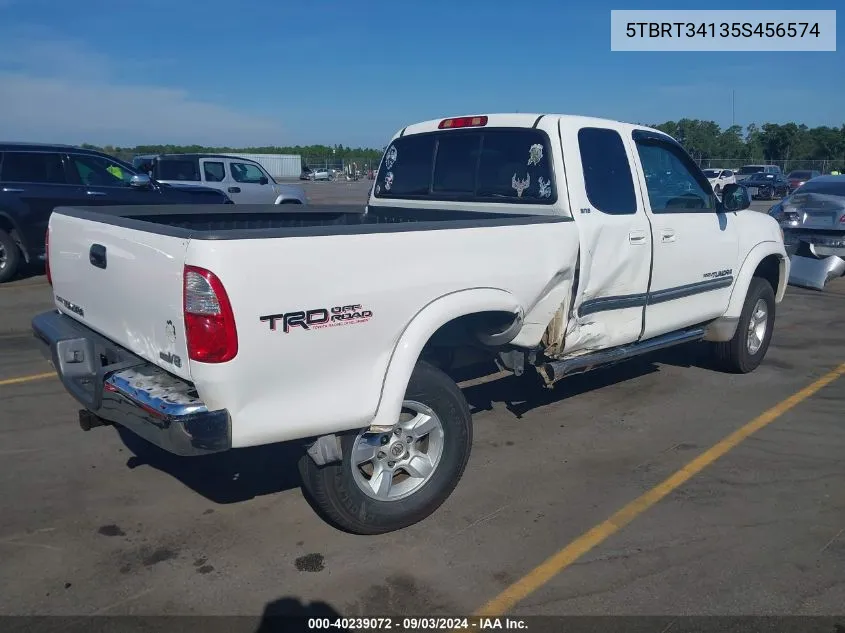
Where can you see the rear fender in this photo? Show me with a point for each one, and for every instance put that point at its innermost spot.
(420, 329)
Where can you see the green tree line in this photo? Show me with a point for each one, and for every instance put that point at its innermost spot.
(791, 145)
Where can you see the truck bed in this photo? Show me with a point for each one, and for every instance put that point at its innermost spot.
(237, 222)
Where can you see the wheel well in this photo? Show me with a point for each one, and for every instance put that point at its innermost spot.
(459, 341)
(769, 269)
(6, 224)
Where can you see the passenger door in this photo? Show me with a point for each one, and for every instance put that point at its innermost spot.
(105, 182)
(615, 238)
(39, 180)
(249, 185)
(695, 244)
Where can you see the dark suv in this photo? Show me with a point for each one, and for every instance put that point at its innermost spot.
(35, 179)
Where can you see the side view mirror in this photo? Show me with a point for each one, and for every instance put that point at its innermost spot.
(735, 197)
(263, 180)
(140, 181)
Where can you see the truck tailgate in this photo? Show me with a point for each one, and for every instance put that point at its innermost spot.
(123, 283)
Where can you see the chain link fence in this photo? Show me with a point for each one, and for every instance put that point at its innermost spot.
(361, 164)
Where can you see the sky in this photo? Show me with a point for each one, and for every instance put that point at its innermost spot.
(283, 72)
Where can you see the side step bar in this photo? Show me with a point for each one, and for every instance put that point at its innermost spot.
(555, 370)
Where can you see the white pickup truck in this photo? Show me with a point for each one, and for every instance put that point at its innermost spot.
(539, 241)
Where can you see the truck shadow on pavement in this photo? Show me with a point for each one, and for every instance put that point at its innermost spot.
(230, 477)
(243, 474)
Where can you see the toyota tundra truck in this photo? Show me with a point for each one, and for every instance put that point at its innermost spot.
(550, 244)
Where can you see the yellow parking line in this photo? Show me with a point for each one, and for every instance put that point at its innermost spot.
(23, 379)
(547, 570)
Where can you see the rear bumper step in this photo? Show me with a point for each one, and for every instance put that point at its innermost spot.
(118, 387)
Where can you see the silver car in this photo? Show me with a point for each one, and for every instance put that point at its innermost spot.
(244, 181)
(813, 223)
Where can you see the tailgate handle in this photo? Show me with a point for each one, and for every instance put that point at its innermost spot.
(97, 256)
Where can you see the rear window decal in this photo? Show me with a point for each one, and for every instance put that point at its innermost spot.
(391, 157)
(545, 187)
(535, 154)
(520, 185)
(388, 181)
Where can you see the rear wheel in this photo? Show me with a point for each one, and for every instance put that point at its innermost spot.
(388, 481)
(10, 257)
(748, 347)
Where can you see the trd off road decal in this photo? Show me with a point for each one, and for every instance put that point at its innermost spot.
(719, 273)
(318, 318)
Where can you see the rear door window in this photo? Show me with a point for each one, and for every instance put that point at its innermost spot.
(214, 171)
(483, 165)
(33, 167)
(607, 172)
(179, 169)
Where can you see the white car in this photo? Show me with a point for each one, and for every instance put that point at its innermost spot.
(245, 181)
(540, 246)
(322, 174)
(718, 178)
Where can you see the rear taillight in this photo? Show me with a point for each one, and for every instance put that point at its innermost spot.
(209, 322)
(47, 257)
(842, 220)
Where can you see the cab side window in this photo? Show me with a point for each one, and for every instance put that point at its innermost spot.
(607, 172)
(671, 179)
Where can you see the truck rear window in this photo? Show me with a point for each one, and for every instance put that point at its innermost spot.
(490, 165)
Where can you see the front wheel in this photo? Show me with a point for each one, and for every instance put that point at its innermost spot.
(389, 481)
(746, 350)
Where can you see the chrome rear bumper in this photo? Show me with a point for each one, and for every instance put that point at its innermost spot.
(121, 388)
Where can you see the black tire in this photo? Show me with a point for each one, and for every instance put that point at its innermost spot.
(332, 488)
(291, 201)
(10, 257)
(734, 356)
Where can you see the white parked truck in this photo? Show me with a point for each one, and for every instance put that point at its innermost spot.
(557, 244)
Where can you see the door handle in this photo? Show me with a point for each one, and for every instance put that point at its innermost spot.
(637, 237)
(667, 235)
(12, 190)
(95, 193)
(234, 189)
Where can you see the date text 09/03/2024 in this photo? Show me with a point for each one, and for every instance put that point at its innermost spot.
(417, 624)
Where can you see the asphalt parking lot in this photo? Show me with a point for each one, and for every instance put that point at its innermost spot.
(92, 525)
